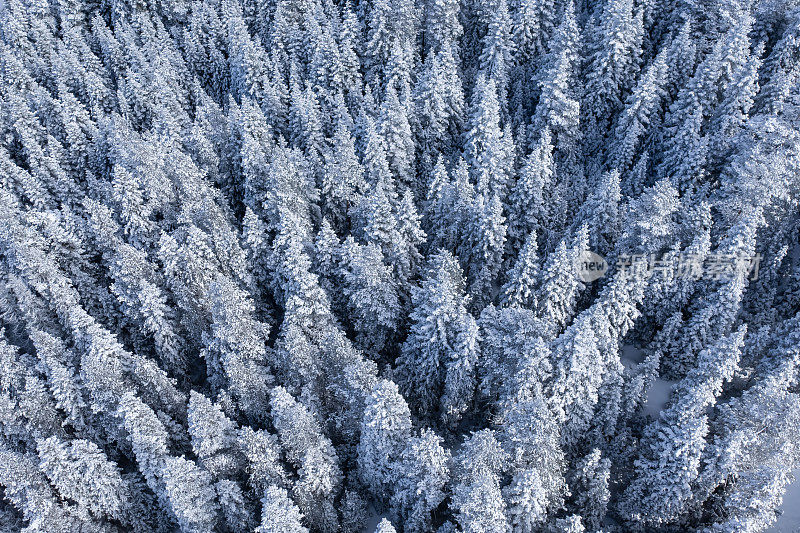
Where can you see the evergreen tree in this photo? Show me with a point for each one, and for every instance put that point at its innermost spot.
(560, 285)
(236, 350)
(532, 23)
(326, 263)
(81, 472)
(601, 212)
(385, 430)
(354, 511)
(514, 361)
(615, 49)
(62, 378)
(526, 501)
(498, 48)
(531, 199)
(297, 429)
(686, 150)
(28, 490)
(531, 439)
(761, 468)
(440, 351)
(730, 115)
(191, 495)
(642, 107)
(372, 296)
(673, 445)
(439, 102)
(477, 502)
(27, 403)
(441, 26)
(570, 524)
(422, 473)
(648, 230)
(384, 526)
(518, 290)
(262, 452)
(558, 108)
(214, 437)
(312, 453)
(484, 140)
(279, 513)
(234, 507)
(374, 218)
(343, 181)
(450, 207)
(705, 327)
(396, 132)
(486, 246)
(590, 485)
(460, 373)
(408, 258)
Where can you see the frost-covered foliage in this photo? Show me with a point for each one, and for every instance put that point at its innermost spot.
(310, 265)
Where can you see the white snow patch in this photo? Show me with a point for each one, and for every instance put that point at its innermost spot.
(631, 355)
(373, 519)
(789, 521)
(657, 396)
(659, 391)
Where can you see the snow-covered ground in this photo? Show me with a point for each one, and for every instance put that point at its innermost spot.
(657, 396)
(373, 518)
(660, 390)
(789, 521)
(631, 354)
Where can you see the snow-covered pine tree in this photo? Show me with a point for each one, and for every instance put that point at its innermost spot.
(484, 140)
(589, 486)
(384, 526)
(532, 203)
(672, 447)
(209, 209)
(560, 285)
(82, 473)
(214, 437)
(279, 513)
(477, 502)
(422, 473)
(615, 46)
(518, 291)
(343, 181)
(484, 250)
(372, 294)
(385, 431)
(235, 351)
(436, 366)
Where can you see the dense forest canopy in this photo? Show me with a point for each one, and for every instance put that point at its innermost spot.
(310, 266)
